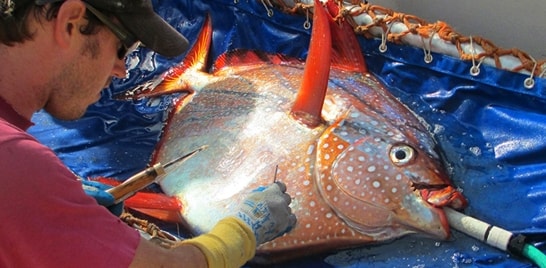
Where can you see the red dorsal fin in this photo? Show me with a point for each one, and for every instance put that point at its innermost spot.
(346, 54)
(172, 80)
(308, 105)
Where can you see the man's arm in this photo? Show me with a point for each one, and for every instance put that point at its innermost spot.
(262, 216)
(149, 254)
(231, 243)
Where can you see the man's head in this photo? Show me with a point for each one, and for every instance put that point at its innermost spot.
(135, 20)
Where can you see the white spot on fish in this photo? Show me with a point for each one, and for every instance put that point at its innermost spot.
(357, 182)
(340, 146)
(329, 215)
(399, 177)
(386, 167)
(312, 203)
(328, 187)
(325, 145)
(310, 149)
(308, 226)
(326, 156)
(394, 190)
(376, 184)
(306, 182)
(350, 169)
(371, 169)
(387, 200)
(361, 158)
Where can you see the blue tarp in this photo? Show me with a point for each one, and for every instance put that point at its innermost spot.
(491, 128)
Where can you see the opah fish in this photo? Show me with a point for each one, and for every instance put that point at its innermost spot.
(360, 166)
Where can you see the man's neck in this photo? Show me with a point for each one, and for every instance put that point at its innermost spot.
(23, 70)
(8, 114)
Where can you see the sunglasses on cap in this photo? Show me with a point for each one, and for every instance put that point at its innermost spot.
(128, 41)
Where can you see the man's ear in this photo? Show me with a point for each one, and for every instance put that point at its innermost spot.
(70, 18)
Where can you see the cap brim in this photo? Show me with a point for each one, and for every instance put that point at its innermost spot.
(155, 33)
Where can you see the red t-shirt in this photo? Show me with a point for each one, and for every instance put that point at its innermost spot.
(47, 220)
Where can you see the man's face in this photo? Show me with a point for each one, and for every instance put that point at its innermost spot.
(79, 83)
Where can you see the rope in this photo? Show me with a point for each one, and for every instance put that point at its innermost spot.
(384, 18)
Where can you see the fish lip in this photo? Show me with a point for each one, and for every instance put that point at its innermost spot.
(442, 195)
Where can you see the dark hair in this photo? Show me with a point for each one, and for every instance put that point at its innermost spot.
(14, 29)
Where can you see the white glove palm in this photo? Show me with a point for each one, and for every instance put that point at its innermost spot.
(266, 210)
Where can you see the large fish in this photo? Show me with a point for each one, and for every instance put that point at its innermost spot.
(360, 166)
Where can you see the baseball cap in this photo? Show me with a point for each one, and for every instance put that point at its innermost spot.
(139, 17)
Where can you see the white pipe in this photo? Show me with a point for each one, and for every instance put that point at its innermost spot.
(491, 235)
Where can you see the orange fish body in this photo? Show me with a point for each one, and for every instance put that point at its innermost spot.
(364, 170)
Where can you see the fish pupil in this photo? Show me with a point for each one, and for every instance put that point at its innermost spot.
(400, 155)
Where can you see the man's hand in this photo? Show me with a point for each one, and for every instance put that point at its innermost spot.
(267, 213)
(97, 190)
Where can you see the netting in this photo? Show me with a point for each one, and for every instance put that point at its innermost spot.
(374, 21)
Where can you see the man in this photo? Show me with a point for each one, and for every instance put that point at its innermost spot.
(58, 55)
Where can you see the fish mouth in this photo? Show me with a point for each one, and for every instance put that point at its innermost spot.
(439, 196)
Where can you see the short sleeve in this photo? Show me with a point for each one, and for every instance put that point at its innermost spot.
(47, 219)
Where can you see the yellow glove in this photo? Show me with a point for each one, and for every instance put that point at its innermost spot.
(231, 243)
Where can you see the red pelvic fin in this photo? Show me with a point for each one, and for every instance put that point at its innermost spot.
(156, 205)
(172, 80)
(347, 54)
(308, 105)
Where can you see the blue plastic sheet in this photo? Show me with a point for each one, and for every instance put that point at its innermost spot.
(491, 128)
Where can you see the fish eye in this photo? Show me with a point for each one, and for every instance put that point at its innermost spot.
(401, 154)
